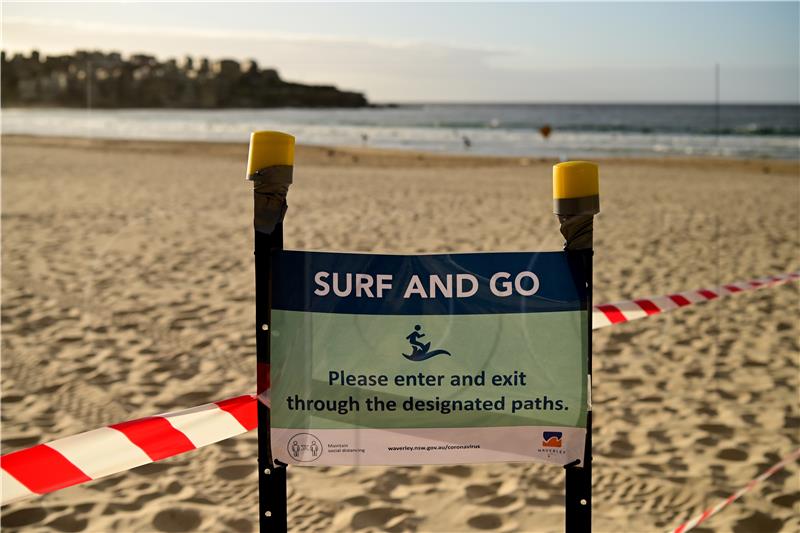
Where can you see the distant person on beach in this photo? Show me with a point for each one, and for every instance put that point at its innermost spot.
(545, 131)
(467, 142)
(364, 138)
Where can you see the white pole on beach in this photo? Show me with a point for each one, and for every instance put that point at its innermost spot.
(269, 167)
(716, 101)
(576, 199)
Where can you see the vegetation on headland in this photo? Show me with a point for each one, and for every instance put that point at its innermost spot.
(107, 80)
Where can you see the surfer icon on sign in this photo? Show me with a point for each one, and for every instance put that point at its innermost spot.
(420, 351)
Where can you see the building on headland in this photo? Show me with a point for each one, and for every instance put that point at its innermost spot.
(107, 80)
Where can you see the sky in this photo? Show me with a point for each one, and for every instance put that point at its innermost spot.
(456, 52)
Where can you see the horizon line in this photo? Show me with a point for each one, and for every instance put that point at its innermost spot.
(574, 103)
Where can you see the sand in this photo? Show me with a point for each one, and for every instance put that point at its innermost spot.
(127, 290)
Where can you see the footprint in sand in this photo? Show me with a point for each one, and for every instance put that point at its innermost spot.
(68, 523)
(24, 517)
(500, 502)
(732, 454)
(717, 429)
(13, 398)
(456, 470)
(760, 522)
(359, 501)
(382, 518)
(485, 521)
(177, 520)
(241, 525)
(173, 488)
(476, 492)
(233, 472)
(152, 469)
(21, 442)
(620, 449)
(787, 500)
(708, 442)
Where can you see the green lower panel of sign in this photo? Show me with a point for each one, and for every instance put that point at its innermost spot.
(340, 371)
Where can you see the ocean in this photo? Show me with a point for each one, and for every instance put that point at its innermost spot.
(579, 130)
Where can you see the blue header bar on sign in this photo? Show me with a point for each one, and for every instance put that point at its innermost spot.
(446, 284)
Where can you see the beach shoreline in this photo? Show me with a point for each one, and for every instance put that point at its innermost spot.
(382, 157)
(576, 131)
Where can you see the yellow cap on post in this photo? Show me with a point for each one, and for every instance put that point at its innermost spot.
(574, 179)
(269, 148)
(576, 188)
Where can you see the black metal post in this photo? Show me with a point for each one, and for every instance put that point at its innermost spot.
(576, 201)
(271, 476)
(270, 186)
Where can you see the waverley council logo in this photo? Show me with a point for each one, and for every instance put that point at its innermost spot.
(420, 351)
(551, 439)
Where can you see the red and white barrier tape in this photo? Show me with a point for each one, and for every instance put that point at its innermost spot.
(615, 313)
(88, 456)
(705, 515)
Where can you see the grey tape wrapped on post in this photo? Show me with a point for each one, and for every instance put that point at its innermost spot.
(577, 231)
(270, 187)
(576, 216)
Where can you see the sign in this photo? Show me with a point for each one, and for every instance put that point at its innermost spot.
(406, 360)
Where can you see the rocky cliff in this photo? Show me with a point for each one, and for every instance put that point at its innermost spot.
(107, 80)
